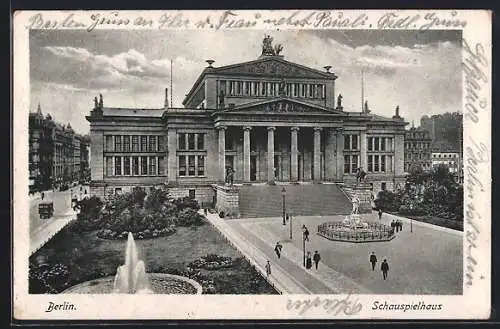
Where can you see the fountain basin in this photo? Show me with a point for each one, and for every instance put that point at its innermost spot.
(364, 232)
(160, 283)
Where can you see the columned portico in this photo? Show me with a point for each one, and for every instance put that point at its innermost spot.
(270, 154)
(246, 153)
(317, 154)
(222, 152)
(294, 152)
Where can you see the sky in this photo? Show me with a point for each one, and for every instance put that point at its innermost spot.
(418, 70)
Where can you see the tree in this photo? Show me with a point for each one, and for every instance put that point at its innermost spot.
(156, 198)
(441, 175)
(417, 175)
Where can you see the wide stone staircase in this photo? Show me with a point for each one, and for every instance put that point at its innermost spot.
(302, 200)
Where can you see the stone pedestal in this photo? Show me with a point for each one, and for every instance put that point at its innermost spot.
(227, 200)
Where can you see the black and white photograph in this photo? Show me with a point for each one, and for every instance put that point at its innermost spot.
(254, 162)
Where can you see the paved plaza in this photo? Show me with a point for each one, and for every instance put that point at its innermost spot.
(425, 261)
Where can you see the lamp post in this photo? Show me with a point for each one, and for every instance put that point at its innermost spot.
(290, 219)
(303, 248)
(283, 194)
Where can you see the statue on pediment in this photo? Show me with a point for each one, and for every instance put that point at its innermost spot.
(278, 49)
(339, 101)
(267, 46)
(96, 103)
(101, 103)
(367, 110)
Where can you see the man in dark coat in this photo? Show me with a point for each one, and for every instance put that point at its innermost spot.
(278, 248)
(306, 233)
(385, 268)
(393, 224)
(308, 260)
(400, 225)
(316, 258)
(379, 214)
(373, 260)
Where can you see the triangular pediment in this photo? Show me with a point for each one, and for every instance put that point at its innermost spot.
(274, 66)
(282, 106)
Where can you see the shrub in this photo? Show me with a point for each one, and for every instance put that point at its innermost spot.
(189, 217)
(417, 211)
(186, 202)
(46, 278)
(90, 217)
(156, 199)
(387, 201)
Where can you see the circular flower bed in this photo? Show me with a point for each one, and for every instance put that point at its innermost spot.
(370, 232)
(212, 262)
(145, 234)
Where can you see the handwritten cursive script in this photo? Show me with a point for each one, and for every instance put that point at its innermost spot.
(333, 306)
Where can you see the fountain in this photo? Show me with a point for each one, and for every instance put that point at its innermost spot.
(131, 278)
(352, 229)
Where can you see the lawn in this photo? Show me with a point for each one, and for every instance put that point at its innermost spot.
(87, 257)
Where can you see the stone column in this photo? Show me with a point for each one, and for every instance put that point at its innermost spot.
(294, 153)
(330, 158)
(270, 154)
(222, 153)
(317, 154)
(363, 145)
(246, 153)
(172, 156)
(340, 154)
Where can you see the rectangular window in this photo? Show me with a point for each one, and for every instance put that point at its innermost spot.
(370, 143)
(376, 146)
(370, 163)
(152, 144)
(347, 142)
(347, 164)
(144, 165)
(182, 141)
(144, 143)
(319, 89)
(161, 166)
(126, 143)
(191, 144)
(118, 166)
(229, 142)
(118, 190)
(382, 144)
(201, 141)
(109, 166)
(376, 163)
(191, 165)
(126, 166)
(152, 166)
(109, 143)
(192, 193)
(135, 143)
(161, 143)
(354, 164)
(354, 142)
(135, 166)
(201, 165)
(118, 143)
(182, 165)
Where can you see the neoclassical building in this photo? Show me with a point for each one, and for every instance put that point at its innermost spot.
(263, 121)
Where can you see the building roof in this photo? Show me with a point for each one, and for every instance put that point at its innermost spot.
(443, 147)
(132, 112)
(272, 66)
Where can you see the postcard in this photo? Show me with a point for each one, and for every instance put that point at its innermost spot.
(252, 164)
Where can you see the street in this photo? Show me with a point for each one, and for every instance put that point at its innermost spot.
(50, 196)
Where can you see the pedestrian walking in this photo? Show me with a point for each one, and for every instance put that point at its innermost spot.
(316, 258)
(308, 260)
(268, 269)
(205, 211)
(393, 224)
(373, 260)
(43, 195)
(400, 225)
(278, 248)
(385, 268)
(379, 213)
(306, 233)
